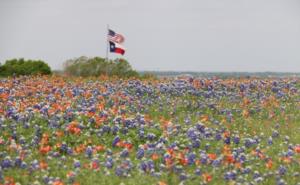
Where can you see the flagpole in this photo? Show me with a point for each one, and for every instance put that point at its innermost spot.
(107, 44)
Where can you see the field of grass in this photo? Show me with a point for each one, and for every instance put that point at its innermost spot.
(56, 130)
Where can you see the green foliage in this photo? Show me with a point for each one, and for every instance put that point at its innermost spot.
(84, 66)
(24, 67)
(149, 75)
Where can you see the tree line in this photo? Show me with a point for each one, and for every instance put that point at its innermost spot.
(82, 66)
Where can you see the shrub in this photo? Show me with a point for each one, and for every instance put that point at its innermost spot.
(22, 67)
(84, 66)
(149, 75)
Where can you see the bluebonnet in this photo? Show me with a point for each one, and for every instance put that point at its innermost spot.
(236, 139)
(248, 142)
(191, 158)
(18, 162)
(35, 164)
(119, 171)
(23, 165)
(1, 174)
(183, 176)
(64, 147)
(196, 143)
(177, 169)
(270, 141)
(256, 175)
(246, 170)
(69, 151)
(115, 130)
(140, 153)
(207, 146)
(227, 140)
(230, 175)
(89, 151)
(76, 164)
(280, 182)
(6, 163)
(109, 162)
(203, 159)
(143, 166)
(218, 136)
(216, 163)
(115, 140)
(282, 170)
(198, 171)
(200, 127)
(124, 153)
(150, 164)
(275, 134)
(151, 136)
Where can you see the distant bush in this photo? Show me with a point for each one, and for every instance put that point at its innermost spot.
(149, 75)
(84, 66)
(24, 67)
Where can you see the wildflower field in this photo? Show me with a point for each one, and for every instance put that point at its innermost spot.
(58, 130)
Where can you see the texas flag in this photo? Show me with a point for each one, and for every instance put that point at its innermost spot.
(116, 48)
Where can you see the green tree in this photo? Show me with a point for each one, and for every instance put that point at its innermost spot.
(97, 66)
(24, 67)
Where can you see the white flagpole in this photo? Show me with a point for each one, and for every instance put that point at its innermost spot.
(107, 43)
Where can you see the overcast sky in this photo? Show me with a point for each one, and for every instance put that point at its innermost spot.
(184, 35)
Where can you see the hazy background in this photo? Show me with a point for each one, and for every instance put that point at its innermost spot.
(182, 35)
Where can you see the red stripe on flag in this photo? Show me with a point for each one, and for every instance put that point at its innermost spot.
(119, 50)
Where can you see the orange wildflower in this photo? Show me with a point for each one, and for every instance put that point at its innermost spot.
(226, 150)
(99, 148)
(128, 146)
(43, 165)
(229, 159)
(204, 118)
(297, 149)
(45, 149)
(226, 134)
(57, 183)
(212, 156)
(207, 177)
(286, 160)
(162, 183)
(59, 133)
(73, 128)
(269, 164)
(155, 156)
(45, 139)
(95, 165)
(245, 113)
(120, 144)
(184, 161)
(9, 181)
(238, 165)
(169, 162)
(80, 148)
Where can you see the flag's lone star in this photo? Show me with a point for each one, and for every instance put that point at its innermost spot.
(116, 48)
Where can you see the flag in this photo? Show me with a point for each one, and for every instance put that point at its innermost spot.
(115, 37)
(116, 48)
